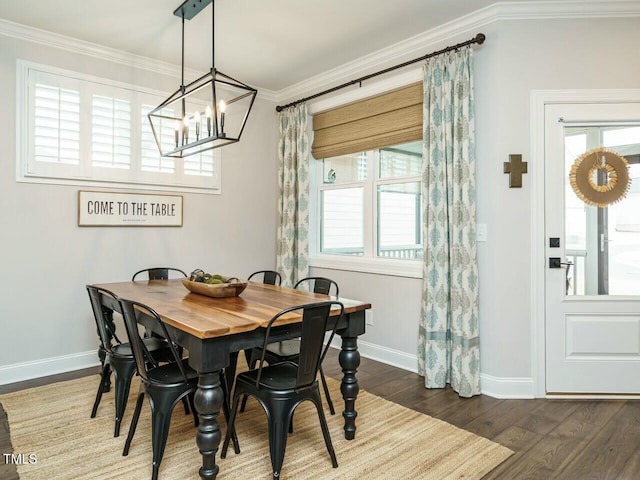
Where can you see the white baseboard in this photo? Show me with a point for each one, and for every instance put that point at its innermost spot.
(389, 356)
(496, 387)
(500, 387)
(19, 372)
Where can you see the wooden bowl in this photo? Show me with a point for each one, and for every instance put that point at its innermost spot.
(218, 290)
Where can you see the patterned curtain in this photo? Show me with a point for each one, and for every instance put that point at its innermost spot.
(448, 343)
(293, 196)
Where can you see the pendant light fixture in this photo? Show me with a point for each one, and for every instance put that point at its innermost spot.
(209, 112)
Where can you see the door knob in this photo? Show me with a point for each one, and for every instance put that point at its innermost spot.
(556, 262)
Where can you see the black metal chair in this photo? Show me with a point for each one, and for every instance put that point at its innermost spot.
(117, 356)
(164, 385)
(270, 277)
(281, 387)
(157, 273)
(288, 350)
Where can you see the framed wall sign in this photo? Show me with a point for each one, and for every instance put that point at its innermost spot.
(108, 209)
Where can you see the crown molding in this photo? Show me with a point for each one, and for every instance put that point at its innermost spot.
(566, 9)
(74, 45)
(420, 44)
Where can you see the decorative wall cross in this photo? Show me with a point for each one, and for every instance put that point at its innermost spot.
(515, 167)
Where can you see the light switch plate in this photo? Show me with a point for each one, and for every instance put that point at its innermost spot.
(481, 232)
(368, 317)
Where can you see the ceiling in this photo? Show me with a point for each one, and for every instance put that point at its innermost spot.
(270, 44)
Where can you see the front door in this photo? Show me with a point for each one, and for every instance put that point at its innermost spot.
(592, 280)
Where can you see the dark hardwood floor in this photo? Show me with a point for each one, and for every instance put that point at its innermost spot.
(552, 439)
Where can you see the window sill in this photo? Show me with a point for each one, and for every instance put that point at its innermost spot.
(378, 266)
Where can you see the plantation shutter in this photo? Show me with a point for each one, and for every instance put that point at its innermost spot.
(56, 124)
(388, 119)
(111, 132)
(150, 159)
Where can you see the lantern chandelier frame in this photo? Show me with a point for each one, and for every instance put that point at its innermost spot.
(213, 109)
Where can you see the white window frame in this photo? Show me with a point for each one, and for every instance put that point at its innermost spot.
(85, 174)
(374, 265)
(369, 262)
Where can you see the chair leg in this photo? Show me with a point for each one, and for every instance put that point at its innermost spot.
(185, 402)
(160, 422)
(252, 365)
(325, 430)
(279, 420)
(247, 357)
(123, 375)
(231, 428)
(226, 409)
(134, 424)
(244, 403)
(196, 419)
(105, 375)
(102, 355)
(326, 392)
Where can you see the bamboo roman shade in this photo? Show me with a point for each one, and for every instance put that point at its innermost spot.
(388, 119)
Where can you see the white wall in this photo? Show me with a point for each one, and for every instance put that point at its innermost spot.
(46, 314)
(46, 259)
(518, 56)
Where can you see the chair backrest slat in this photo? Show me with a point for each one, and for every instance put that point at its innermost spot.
(270, 277)
(158, 273)
(314, 324)
(316, 318)
(103, 316)
(144, 359)
(319, 285)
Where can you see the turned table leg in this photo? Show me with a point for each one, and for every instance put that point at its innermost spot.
(208, 402)
(349, 359)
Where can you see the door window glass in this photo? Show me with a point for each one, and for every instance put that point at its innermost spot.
(603, 244)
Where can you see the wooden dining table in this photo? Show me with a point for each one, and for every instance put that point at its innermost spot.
(214, 330)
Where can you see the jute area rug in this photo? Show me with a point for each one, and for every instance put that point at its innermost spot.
(392, 442)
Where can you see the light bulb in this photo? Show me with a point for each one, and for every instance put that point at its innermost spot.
(196, 118)
(185, 130)
(223, 107)
(208, 114)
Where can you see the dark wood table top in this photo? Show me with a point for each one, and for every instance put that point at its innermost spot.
(207, 317)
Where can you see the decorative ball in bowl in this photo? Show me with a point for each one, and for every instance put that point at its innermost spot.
(214, 285)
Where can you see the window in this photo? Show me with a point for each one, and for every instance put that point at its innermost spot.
(342, 204)
(78, 129)
(369, 204)
(601, 243)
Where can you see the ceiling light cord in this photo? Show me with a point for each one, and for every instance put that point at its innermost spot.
(213, 37)
(184, 108)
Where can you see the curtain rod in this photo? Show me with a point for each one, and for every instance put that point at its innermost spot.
(479, 39)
